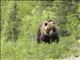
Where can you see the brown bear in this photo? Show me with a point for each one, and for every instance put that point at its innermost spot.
(47, 32)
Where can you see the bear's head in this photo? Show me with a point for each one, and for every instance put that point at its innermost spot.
(50, 28)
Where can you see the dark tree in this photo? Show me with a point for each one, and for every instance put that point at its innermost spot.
(14, 23)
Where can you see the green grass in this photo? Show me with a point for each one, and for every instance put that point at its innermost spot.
(31, 14)
(30, 50)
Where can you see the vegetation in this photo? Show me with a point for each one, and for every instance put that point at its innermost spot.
(19, 23)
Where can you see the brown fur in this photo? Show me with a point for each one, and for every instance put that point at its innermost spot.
(47, 31)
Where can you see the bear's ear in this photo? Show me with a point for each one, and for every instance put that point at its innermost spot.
(49, 20)
(46, 24)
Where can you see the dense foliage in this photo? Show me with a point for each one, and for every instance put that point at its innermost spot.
(19, 23)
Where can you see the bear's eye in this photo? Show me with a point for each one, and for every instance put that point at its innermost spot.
(45, 24)
(53, 22)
